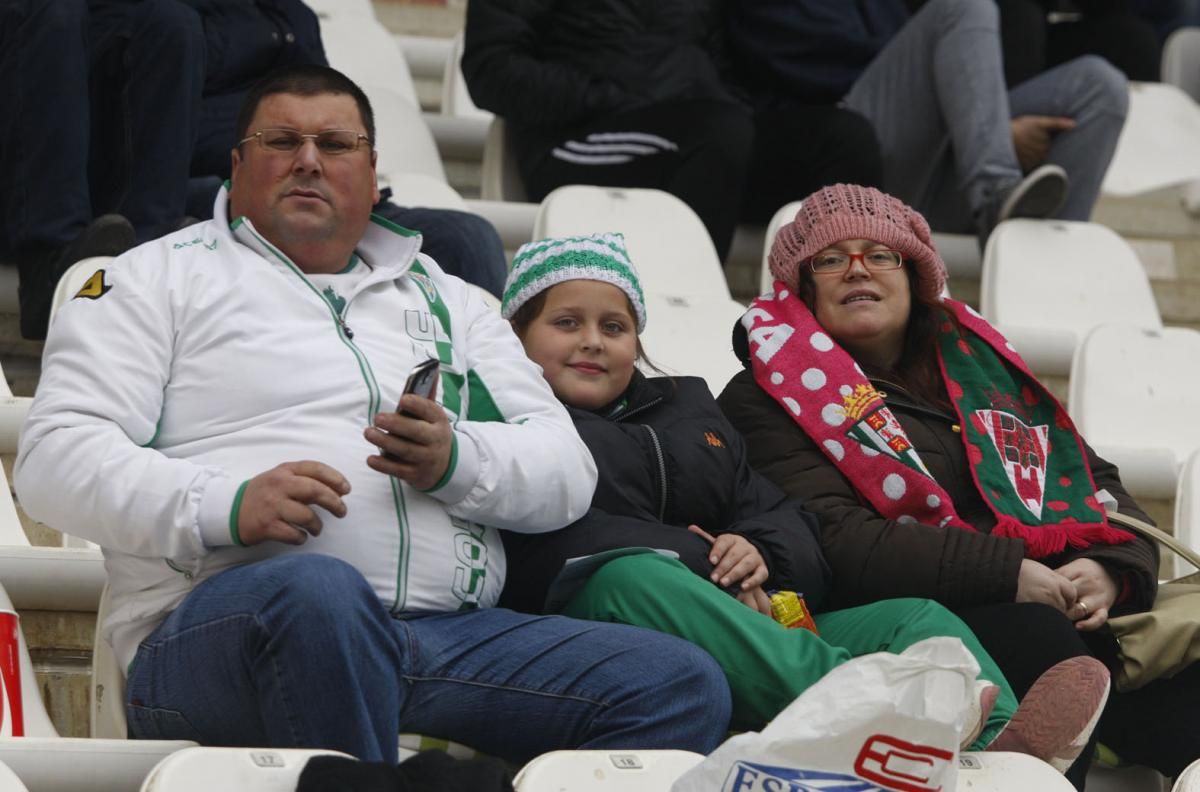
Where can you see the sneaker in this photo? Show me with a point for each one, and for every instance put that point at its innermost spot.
(1058, 714)
(1038, 195)
(107, 235)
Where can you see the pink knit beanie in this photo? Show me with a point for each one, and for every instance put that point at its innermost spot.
(849, 211)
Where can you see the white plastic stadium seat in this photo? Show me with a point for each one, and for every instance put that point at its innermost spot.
(456, 99)
(667, 242)
(1156, 148)
(1132, 393)
(690, 312)
(107, 717)
(693, 336)
(784, 215)
(9, 782)
(47, 763)
(626, 771)
(1189, 779)
(209, 769)
(1045, 284)
(1181, 61)
(403, 141)
(327, 9)
(500, 180)
(421, 189)
(364, 50)
(998, 771)
(1133, 778)
(1187, 518)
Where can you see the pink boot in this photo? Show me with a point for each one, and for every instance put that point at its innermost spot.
(1058, 714)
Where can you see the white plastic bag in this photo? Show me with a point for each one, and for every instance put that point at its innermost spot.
(879, 722)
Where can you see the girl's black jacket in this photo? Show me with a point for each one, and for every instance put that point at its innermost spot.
(668, 458)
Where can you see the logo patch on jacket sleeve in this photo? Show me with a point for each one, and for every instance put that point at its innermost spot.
(713, 440)
(95, 288)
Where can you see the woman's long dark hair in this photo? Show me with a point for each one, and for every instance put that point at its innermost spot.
(917, 371)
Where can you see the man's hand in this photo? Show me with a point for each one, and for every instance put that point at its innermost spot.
(1032, 135)
(1096, 592)
(276, 504)
(421, 444)
(734, 559)
(1037, 582)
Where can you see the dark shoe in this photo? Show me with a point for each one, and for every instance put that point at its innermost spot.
(108, 235)
(1038, 195)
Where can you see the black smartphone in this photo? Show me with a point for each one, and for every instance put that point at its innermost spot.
(422, 380)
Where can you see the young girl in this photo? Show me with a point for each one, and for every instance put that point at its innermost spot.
(674, 476)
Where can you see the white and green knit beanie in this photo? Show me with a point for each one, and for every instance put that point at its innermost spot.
(546, 262)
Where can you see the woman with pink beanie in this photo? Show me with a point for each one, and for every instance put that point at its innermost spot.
(937, 464)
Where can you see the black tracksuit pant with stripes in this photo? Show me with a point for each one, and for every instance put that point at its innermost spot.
(725, 162)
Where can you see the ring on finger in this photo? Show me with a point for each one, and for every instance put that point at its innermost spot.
(1086, 610)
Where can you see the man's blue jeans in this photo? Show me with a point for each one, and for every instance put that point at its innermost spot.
(297, 651)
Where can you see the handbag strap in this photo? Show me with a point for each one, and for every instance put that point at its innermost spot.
(1150, 532)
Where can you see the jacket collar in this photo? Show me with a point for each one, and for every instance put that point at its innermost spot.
(388, 248)
(642, 393)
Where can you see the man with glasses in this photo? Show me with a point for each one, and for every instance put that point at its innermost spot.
(226, 397)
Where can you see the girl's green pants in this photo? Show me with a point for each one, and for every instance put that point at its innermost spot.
(767, 664)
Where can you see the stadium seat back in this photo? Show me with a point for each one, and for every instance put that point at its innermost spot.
(1045, 284)
(998, 771)
(1156, 148)
(364, 50)
(404, 143)
(1181, 61)
(207, 769)
(421, 189)
(1189, 779)
(9, 782)
(37, 720)
(668, 244)
(1132, 395)
(1187, 523)
(456, 99)
(500, 179)
(784, 215)
(692, 336)
(626, 771)
(328, 9)
(107, 716)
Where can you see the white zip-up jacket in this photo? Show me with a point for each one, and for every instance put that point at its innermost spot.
(197, 361)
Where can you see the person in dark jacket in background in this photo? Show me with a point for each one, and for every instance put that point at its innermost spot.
(936, 463)
(93, 160)
(635, 93)
(956, 144)
(247, 39)
(673, 475)
(1039, 34)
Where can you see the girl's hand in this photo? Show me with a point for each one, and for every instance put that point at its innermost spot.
(1096, 592)
(734, 559)
(757, 599)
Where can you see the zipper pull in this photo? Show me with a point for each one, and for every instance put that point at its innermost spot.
(346, 329)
